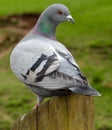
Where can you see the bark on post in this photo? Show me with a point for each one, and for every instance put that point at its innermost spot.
(71, 112)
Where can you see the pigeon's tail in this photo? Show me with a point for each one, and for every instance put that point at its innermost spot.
(85, 91)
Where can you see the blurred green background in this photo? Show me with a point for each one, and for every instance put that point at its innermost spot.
(89, 40)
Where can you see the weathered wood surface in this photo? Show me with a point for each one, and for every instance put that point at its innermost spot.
(71, 112)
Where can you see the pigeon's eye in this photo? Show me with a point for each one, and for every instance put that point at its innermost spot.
(60, 12)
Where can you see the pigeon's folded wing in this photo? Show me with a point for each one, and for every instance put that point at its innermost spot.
(32, 60)
(52, 76)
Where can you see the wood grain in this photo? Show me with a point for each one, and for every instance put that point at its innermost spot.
(71, 112)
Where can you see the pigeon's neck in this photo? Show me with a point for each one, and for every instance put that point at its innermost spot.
(45, 27)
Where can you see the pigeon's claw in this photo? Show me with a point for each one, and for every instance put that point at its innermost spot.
(39, 101)
(37, 105)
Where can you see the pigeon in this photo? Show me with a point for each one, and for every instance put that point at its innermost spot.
(44, 64)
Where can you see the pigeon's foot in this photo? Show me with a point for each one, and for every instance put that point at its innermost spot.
(37, 105)
(39, 101)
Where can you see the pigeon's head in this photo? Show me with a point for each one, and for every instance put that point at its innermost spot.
(58, 13)
(51, 18)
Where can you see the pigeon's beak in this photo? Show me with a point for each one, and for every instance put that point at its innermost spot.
(70, 19)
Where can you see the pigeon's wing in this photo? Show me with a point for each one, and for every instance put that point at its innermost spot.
(56, 73)
(69, 62)
(37, 64)
(45, 70)
(32, 60)
(69, 58)
(78, 83)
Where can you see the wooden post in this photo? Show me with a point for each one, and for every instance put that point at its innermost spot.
(71, 112)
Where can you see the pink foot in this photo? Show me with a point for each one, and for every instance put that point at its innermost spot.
(36, 106)
(39, 100)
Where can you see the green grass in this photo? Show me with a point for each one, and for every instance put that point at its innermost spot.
(15, 7)
(89, 40)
